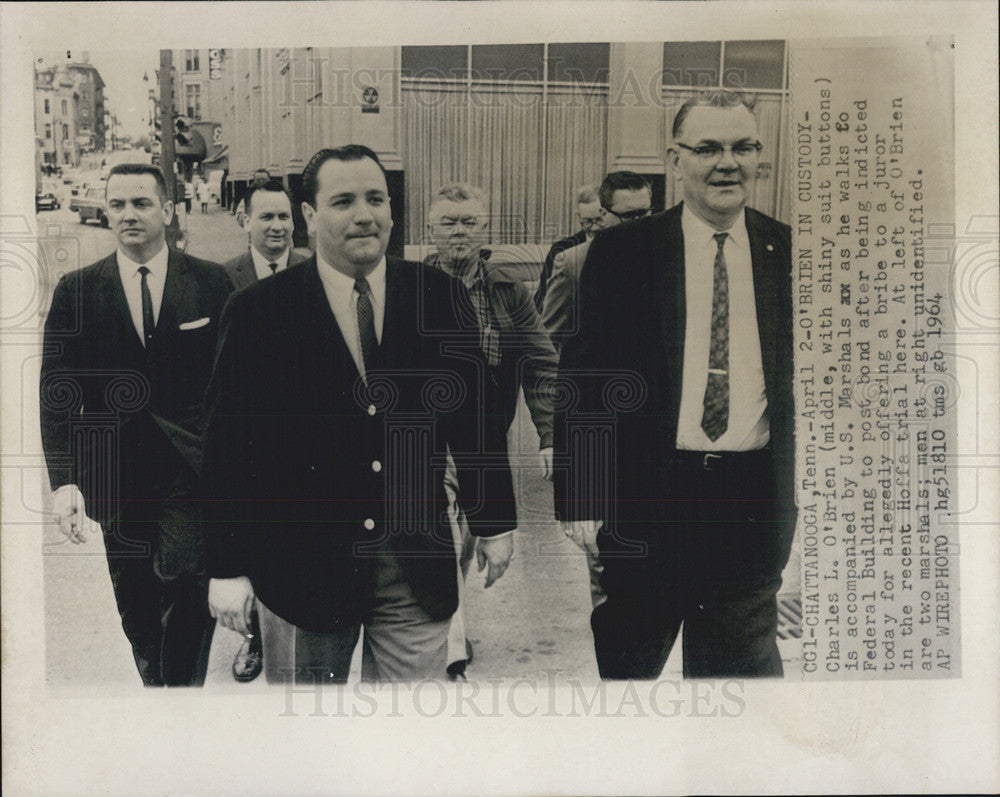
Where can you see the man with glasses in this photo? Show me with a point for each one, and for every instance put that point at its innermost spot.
(513, 342)
(695, 504)
(591, 215)
(624, 196)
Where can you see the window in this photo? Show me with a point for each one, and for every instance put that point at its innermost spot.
(579, 63)
(191, 61)
(436, 62)
(48, 131)
(65, 132)
(64, 111)
(754, 64)
(507, 61)
(47, 111)
(691, 64)
(192, 96)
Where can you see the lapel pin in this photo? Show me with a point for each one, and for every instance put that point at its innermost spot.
(770, 248)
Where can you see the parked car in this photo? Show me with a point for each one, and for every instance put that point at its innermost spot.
(90, 205)
(46, 201)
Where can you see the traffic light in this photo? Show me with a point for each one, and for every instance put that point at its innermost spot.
(183, 130)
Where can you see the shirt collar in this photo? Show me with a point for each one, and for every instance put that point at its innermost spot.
(341, 287)
(471, 276)
(260, 262)
(697, 230)
(157, 265)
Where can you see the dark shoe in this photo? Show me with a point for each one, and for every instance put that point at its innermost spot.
(249, 660)
(456, 671)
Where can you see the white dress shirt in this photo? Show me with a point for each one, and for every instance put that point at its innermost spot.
(262, 265)
(748, 428)
(128, 271)
(343, 301)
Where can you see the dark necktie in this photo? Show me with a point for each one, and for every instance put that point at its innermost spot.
(366, 322)
(148, 323)
(715, 418)
(273, 267)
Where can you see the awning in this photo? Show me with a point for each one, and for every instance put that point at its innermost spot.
(194, 150)
(218, 156)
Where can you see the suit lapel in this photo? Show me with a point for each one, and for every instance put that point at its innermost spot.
(332, 353)
(765, 259)
(113, 308)
(671, 302)
(174, 291)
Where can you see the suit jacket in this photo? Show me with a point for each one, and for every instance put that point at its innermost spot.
(527, 357)
(560, 314)
(108, 404)
(626, 361)
(241, 271)
(310, 470)
(561, 245)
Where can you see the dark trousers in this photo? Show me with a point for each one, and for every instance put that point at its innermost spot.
(156, 562)
(708, 559)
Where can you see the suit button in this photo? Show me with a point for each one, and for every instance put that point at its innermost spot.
(371, 409)
(369, 524)
(377, 466)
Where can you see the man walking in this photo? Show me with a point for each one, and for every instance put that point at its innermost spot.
(269, 226)
(624, 196)
(333, 405)
(692, 309)
(510, 337)
(128, 351)
(592, 219)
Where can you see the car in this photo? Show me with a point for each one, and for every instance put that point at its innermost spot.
(46, 201)
(90, 205)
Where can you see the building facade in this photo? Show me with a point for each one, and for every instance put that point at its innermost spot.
(55, 117)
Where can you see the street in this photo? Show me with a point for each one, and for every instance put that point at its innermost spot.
(534, 620)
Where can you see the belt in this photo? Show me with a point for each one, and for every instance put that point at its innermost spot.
(720, 460)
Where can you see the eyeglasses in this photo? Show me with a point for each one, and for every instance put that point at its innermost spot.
(588, 224)
(710, 153)
(628, 215)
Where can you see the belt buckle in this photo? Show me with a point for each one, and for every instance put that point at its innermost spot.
(706, 461)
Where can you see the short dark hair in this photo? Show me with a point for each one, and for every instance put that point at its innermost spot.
(717, 98)
(348, 152)
(140, 168)
(274, 186)
(621, 181)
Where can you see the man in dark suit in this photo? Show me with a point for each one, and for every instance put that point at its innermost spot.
(339, 389)
(623, 196)
(592, 218)
(269, 225)
(129, 343)
(688, 313)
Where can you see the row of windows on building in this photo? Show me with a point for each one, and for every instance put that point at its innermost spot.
(64, 108)
(718, 64)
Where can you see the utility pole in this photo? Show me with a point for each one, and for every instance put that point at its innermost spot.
(167, 152)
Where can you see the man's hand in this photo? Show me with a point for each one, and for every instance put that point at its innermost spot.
(497, 551)
(230, 600)
(583, 533)
(67, 503)
(545, 456)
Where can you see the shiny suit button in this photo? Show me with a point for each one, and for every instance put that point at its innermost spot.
(371, 409)
(377, 466)
(369, 524)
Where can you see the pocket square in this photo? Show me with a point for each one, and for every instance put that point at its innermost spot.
(194, 324)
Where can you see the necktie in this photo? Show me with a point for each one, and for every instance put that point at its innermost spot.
(715, 418)
(366, 322)
(273, 267)
(148, 323)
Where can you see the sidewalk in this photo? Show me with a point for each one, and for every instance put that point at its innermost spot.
(213, 236)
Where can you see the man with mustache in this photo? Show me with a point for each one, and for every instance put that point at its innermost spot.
(335, 400)
(129, 343)
(691, 311)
